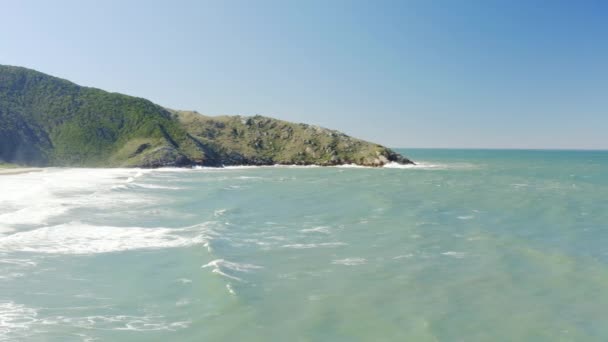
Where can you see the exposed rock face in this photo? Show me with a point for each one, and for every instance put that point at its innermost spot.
(164, 156)
(45, 120)
(260, 140)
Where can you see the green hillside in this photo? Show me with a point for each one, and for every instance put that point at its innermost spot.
(47, 121)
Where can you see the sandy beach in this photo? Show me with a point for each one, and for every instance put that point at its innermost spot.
(17, 171)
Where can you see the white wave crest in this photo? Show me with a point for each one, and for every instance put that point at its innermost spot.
(418, 165)
(253, 167)
(219, 212)
(319, 229)
(350, 261)
(34, 198)
(227, 268)
(4, 230)
(314, 245)
(15, 319)
(352, 166)
(19, 322)
(409, 255)
(421, 165)
(117, 322)
(458, 255)
(391, 165)
(80, 238)
(155, 186)
(15, 268)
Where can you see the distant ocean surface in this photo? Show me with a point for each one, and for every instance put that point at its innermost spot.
(470, 245)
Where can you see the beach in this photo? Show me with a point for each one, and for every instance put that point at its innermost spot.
(17, 171)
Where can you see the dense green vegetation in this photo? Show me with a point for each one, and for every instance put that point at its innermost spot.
(49, 121)
(45, 120)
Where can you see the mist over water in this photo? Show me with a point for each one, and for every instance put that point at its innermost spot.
(469, 245)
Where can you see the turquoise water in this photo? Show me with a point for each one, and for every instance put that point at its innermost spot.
(468, 246)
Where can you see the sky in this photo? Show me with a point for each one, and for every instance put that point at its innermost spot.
(455, 74)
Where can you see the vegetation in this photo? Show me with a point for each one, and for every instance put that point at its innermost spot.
(261, 140)
(45, 120)
(8, 166)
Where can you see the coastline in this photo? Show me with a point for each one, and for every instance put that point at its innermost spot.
(18, 171)
(11, 171)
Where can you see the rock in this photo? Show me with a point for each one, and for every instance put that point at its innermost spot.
(164, 156)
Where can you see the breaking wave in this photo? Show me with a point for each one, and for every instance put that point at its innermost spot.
(36, 198)
(20, 322)
(350, 261)
(80, 238)
(421, 165)
(228, 269)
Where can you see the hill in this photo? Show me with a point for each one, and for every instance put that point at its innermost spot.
(48, 121)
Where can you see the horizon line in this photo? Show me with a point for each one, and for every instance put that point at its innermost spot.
(508, 149)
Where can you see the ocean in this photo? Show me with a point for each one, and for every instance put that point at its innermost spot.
(469, 245)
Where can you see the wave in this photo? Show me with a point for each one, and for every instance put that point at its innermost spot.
(38, 197)
(353, 166)
(234, 167)
(35, 213)
(234, 187)
(120, 186)
(391, 165)
(458, 255)
(80, 238)
(12, 268)
(228, 268)
(5, 230)
(184, 280)
(402, 256)
(350, 261)
(117, 322)
(16, 320)
(219, 212)
(249, 167)
(155, 186)
(319, 229)
(420, 165)
(314, 245)
(19, 262)
(19, 322)
(429, 166)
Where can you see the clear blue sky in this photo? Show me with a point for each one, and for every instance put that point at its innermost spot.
(493, 74)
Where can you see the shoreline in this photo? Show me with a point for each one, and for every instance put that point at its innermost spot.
(11, 171)
(18, 171)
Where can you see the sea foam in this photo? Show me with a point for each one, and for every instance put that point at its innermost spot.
(421, 165)
(350, 261)
(19, 322)
(314, 245)
(227, 268)
(319, 229)
(15, 320)
(36, 198)
(81, 238)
